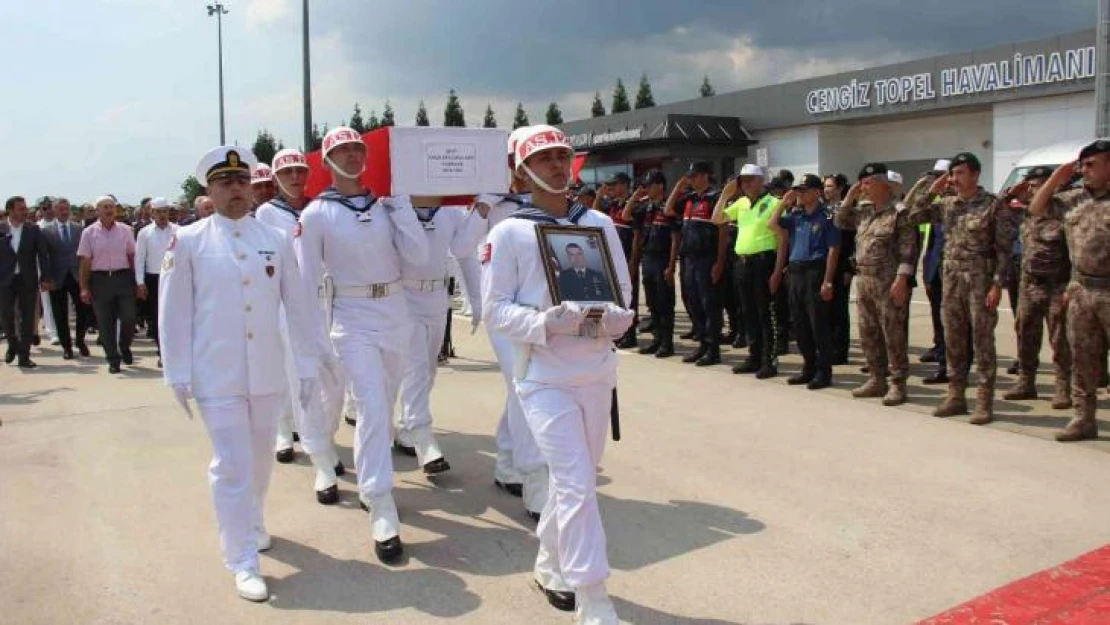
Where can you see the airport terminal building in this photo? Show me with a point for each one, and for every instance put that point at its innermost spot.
(997, 103)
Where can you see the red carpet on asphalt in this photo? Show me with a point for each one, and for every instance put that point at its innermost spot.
(1076, 593)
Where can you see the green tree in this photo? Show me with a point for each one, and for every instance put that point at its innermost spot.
(521, 118)
(265, 146)
(620, 98)
(190, 190)
(644, 99)
(453, 113)
(489, 121)
(317, 139)
(706, 88)
(374, 123)
(598, 109)
(554, 115)
(422, 115)
(387, 116)
(357, 124)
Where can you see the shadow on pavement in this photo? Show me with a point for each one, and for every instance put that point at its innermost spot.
(633, 613)
(24, 399)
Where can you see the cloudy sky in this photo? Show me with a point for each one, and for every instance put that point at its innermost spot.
(120, 96)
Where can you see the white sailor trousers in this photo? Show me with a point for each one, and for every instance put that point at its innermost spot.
(429, 311)
(241, 430)
(513, 433)
(316, 426)
(375, 374)
(570, 426)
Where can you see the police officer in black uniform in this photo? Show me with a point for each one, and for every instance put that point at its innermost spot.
(656, 244)
(703, 262)
(610, 200)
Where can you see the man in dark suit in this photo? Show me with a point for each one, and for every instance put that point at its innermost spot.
(63, 236)
(579, 283)
(23, 251)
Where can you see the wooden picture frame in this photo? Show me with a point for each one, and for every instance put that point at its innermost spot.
(596, 281)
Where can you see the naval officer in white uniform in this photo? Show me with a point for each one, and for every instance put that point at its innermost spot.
(359, 241)
(222, 284)
(565, 371)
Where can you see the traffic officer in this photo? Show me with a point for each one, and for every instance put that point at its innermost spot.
(657, 240)
(979, 240)
(757, 255)
(702, 260)
(610, 200)
(565, 373)
(223, 280)
(814, 254)
(449, 230)
(360, 241)
(1085, 214)
(317, 421)
(1045, 271)
(521, 469)
(886, 252)
(262, 184)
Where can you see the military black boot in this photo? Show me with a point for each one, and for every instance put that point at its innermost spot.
(697, 355)
(712, 356)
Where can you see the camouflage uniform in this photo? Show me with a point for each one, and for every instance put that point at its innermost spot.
(979, 242)
(1044, 276)
(1087, 227)
(886, 246)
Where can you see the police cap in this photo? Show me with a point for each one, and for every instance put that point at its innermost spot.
(966, 158)
(619, 178)
(872, 169)
(810, 181)
(654, 177)
(1100, 146)
(699, 167)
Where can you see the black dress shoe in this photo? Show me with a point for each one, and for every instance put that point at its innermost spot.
(405, 449)
(114, 368)
(665, 351)
(67, 354)
(1012, 369)
(928, 356)
(350, 421)
(436, 467)
(513, 488)
(805, 377)
(689, 336)
(26, 363)
(127, 357)
(766, 372)
(940, 377)
(83, 349)
(696, 355)
(628, 341)
(711, 357)
(820, 381)
(328, 496)
(651, 348)
(284, 456)
(389, 551)
(9, 357)
(562, 600)
(340, 470)
(748, 366)
(296, 437)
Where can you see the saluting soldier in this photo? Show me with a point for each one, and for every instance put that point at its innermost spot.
(886, 251)
(1045, 271)
(979, 240)
(222, 283)
(610, 200)
(657, 239)
(1085, 214)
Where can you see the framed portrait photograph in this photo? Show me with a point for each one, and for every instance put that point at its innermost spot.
(579, 265)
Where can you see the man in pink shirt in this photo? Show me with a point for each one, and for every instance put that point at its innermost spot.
(107, 253)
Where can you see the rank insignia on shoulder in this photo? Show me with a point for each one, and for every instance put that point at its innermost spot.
(487, 253)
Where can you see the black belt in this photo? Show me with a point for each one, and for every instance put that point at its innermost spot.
(807, 264)
(110, 272)
(746, 257)
(1093, 282)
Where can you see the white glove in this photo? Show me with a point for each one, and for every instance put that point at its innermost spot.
(563, 319)
(308, 388)
(616, 320)
(183, 393)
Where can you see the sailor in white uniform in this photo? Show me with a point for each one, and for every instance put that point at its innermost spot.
(565, 372)
(317, 426)
(222, 283)
(448, 229)
(520, 469)
(360, 241)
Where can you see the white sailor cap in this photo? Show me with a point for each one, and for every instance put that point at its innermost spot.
(261, 173)
(338, 136)
(159, 203)
(225, 161)
(539, 138)
(289, 157)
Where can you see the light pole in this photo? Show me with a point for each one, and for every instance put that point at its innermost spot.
(219, 11)
(307, 81)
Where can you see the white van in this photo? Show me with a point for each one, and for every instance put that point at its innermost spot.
(1051, 155)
